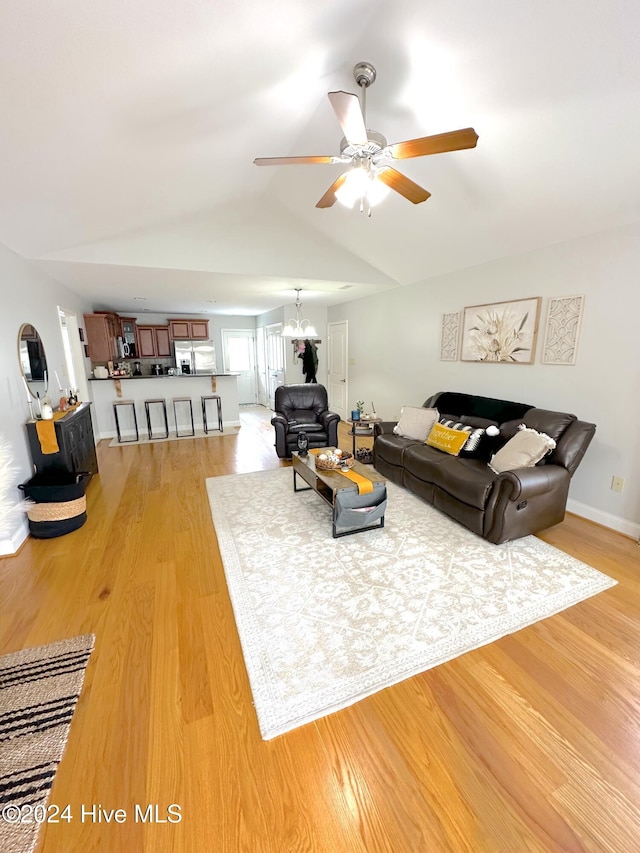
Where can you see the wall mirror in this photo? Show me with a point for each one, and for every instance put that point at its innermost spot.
(33, 361)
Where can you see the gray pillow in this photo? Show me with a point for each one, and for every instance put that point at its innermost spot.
(524, 450)
(415, 422)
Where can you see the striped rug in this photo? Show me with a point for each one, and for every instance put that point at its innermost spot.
(39, 689)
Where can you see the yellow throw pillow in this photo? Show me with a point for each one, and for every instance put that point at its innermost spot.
(444, 438)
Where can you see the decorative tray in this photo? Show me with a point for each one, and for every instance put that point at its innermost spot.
(334, 463)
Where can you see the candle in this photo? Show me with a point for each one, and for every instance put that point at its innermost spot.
(58, 381)
(26, 385)
(45, 380)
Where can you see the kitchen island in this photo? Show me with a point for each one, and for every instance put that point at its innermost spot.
(140, 388)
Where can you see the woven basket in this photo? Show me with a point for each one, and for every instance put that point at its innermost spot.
(328, 465)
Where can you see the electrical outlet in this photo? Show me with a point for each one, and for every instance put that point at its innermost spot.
(617, 484)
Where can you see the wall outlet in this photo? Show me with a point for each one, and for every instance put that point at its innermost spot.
(617, 484)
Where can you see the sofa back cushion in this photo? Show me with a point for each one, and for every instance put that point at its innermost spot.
(473, 405)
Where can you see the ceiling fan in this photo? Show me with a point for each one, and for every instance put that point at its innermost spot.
(370, 175)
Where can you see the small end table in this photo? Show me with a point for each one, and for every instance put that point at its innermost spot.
(362, 427)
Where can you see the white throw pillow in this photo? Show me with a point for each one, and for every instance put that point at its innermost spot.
(415, 422)
(524, 450)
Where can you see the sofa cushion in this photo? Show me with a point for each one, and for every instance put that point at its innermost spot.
(415, 422)
(467, 480)
(481, 407)
(552, 424)
(524, 450)
(392, 448)
(447, 439)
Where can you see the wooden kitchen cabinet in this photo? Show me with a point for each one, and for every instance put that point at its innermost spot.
(189, 330)
(154, 342)
(102, 332)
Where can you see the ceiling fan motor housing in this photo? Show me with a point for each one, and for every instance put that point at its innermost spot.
(376, 143)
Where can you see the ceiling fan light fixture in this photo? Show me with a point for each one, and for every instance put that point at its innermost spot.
(361, 185)
(299, 328)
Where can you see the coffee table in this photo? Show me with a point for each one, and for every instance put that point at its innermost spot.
(352, 512)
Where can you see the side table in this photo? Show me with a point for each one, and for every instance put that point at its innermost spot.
(362, 427)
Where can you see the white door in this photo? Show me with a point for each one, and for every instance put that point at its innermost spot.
(238, 353)
(275, 360)
(261, 366)
(337, 372)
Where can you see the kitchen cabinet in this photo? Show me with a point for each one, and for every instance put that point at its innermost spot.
(189, 330)
(102, 333)
(77, 448)
(154, 342)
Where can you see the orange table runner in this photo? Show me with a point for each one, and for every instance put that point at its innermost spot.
(364, 484)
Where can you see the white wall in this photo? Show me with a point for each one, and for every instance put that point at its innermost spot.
(394, 343)
(28, 296)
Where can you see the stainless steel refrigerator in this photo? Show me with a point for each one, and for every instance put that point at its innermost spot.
(195, 357)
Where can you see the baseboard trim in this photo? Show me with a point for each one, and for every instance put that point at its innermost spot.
(11, 546)
(606, 519)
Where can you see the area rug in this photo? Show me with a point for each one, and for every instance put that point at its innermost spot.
(200, 433)
(325, 622)
(39, 689)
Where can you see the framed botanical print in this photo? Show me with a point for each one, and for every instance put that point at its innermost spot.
(501, 332)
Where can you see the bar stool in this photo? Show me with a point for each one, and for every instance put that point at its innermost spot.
(175, 416)
(116, 405)
(205, 423)
(161, 401)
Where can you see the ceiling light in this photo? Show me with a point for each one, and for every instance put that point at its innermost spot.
(298, 328)
(361, 184)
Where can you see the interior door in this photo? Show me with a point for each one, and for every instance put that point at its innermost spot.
(337, 372)
(275, 360)
(261, 366)
(238, 353)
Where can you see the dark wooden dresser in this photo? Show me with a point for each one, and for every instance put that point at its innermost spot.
(77, 448)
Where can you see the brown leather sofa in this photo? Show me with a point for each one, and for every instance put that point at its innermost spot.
(498, 507)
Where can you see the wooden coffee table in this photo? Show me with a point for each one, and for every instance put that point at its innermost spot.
(352, 512)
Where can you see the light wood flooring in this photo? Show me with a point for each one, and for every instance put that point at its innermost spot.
(529, 744)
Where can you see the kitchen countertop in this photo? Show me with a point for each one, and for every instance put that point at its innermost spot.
(162, 376)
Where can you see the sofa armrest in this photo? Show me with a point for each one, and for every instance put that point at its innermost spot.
(384, 428)
(325, 418)
(525, 483)
(525, 501)
(280, 420)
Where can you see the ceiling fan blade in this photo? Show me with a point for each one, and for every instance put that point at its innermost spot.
(347, 109)
(403, 185)
(329, 198)
(454, 140)
(294, 161)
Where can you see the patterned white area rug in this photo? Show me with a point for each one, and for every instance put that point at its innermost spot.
(325, 622)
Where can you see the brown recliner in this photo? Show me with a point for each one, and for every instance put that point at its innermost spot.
(303, 408)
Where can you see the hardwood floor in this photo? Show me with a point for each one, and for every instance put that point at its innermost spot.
(529, 744)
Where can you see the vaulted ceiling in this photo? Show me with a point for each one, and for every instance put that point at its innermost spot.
(129, 131)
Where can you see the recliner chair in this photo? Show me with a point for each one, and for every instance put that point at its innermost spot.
(303, 408)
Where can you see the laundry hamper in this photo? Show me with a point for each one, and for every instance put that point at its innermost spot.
(59, 504)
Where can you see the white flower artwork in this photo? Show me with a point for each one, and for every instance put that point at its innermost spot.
(501, 332)
(562, 330)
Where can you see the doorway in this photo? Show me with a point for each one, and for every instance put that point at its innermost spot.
(238, 356)
(275, 360)
(74, 377)
(337, 374)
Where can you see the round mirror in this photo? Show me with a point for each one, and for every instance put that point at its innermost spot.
(33, 361)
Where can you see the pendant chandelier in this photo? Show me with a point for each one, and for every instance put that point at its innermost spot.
(298, 328)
